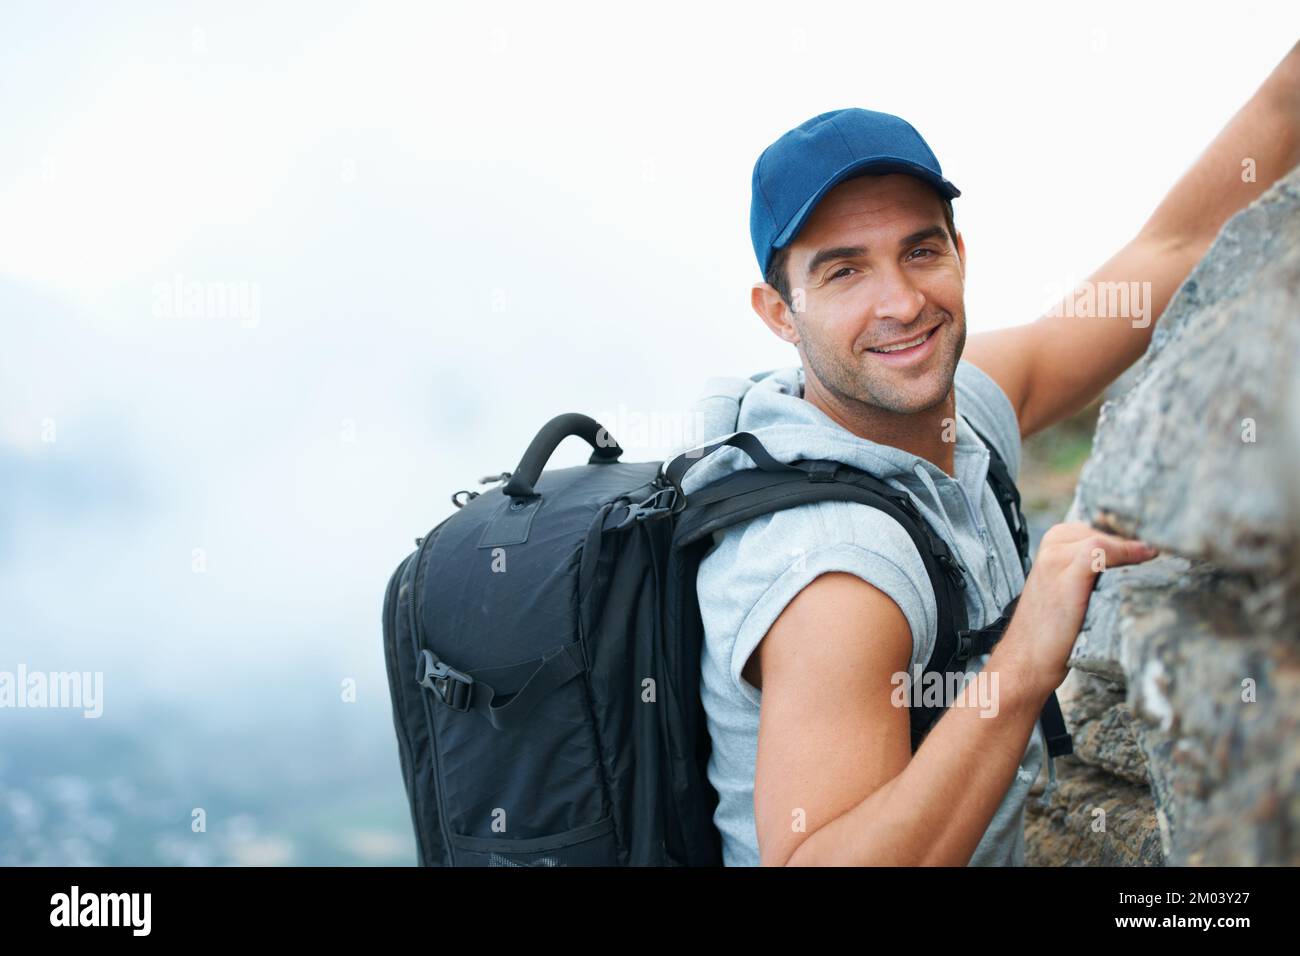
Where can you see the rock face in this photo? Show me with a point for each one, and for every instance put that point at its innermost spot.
(1184, 693)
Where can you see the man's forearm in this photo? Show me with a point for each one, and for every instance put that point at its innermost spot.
(937, 809)
(1055, 366)
(1260, 144)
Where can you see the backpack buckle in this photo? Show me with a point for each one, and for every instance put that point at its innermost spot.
(454, 688)
(952, 569)
(979, 640)
(644, 509)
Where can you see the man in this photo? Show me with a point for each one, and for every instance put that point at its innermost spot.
(814, 612)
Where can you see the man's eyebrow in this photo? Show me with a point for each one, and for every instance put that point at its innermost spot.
(837, 252)
(929, 232)
(847, 252)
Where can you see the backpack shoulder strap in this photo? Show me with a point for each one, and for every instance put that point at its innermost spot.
(1008, 496)
(743, 495)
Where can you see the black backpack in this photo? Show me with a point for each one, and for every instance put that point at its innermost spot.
(543, 651)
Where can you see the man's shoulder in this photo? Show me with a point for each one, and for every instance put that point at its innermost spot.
(765, 547)
(758, 566)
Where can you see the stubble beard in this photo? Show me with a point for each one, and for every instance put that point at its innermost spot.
(854, 385)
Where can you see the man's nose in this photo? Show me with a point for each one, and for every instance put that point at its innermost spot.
(897, 298)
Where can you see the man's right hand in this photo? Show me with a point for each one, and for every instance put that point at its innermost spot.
(1050, 611)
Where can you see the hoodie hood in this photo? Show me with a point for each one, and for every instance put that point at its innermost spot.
(770, 405)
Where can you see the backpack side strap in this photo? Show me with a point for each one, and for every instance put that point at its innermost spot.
(972, 643)
(524, 684)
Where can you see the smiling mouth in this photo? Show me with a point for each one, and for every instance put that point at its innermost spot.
(905, 346)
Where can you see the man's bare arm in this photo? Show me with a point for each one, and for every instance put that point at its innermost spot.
(1055, 366)
(835, 780)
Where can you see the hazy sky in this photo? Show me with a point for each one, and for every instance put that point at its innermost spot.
(449, 224)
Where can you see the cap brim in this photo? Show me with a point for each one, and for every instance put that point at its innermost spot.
(881, 164)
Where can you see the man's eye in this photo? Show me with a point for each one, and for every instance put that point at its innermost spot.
(930, 251)
(836, 274)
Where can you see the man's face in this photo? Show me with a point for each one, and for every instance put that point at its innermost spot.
(878, 268)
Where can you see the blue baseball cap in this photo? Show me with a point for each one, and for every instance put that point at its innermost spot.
(794, 173)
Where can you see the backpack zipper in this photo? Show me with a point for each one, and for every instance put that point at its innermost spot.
(393, 602)
(418, 640)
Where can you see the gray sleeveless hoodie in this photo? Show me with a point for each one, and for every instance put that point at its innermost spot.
(754, 569)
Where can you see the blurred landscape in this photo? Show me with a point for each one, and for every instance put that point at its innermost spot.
(307, 783)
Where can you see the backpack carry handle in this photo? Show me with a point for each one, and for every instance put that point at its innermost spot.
(539, 452)
(675, 471)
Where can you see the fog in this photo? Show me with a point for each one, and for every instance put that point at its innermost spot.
(276, 280)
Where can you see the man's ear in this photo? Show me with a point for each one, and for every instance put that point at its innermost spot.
(771, 308)
(961, 252)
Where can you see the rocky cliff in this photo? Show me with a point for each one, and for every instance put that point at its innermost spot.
(1184, 694)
